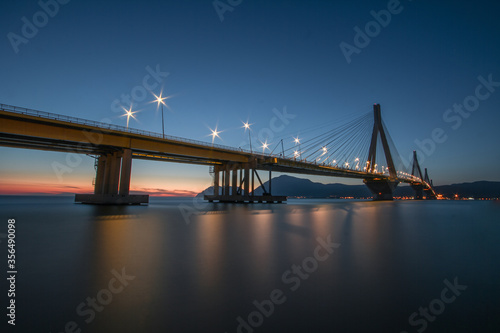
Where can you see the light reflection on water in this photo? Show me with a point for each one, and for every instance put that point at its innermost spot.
(200, 276)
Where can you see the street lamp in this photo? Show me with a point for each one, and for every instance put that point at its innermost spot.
(264, 146)
(324, 151)
(214, 134)
(246, 126)
(129, 113)
(296, 154)
(297, 141)
(160, 100)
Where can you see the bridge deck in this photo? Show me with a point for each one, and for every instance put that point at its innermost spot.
(31, 129)
(24, 128)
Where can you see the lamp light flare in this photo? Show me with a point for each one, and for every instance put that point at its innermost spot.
(215, 134)
(264, 146)
(246, 125)
(159, 99)
(296, 140)
(129, 113)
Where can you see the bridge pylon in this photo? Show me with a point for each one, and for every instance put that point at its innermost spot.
(417, 184)
(235, 182)
(112, 181)
(426, 177)
(429, 192)
(382, 188)
(421, 183)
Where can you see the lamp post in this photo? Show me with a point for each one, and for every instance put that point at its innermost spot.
(264, 146)
(162, 123)
(247, 126)
(129, 113)
(214, 134)
(297, 141)
(160, 100)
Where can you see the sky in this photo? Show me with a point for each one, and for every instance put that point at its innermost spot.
(433, 67)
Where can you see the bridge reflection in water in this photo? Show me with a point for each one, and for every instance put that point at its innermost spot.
(203, 275)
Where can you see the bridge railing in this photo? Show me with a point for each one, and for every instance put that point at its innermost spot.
(80, 121)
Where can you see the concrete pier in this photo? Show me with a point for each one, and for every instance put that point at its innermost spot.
(112, 181)
(237, 189)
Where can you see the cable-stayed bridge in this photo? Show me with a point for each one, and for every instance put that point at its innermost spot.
(359, 148)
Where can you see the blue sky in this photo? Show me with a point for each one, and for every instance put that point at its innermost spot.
(263, 56)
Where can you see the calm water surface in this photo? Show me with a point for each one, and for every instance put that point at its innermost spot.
(183, 267)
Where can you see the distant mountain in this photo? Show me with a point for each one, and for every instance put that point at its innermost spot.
(299, 187)
(481, 189)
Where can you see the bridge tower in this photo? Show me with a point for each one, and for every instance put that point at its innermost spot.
(381, 188)
(417, 184)
(421, 184)
(426, 177)
(429, 193)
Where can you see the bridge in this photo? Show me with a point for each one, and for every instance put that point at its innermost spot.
(360, 148)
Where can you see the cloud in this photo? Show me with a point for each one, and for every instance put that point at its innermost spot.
(19, 188)
(164, 192)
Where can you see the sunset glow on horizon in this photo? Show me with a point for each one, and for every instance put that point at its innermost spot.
(54, 177)
(9, 187)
